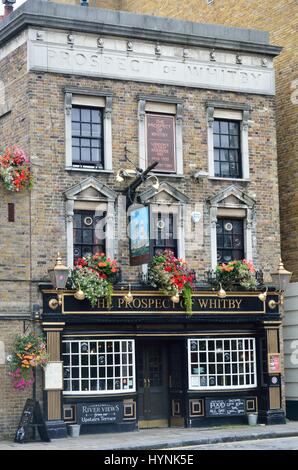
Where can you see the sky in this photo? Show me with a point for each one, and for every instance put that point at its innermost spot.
(17, 4)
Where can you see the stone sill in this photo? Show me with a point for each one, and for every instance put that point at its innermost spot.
(240, 180)
(89, 170)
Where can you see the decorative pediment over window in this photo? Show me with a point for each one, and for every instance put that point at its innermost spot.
(91, 190)
(166, 194)
(232, 197)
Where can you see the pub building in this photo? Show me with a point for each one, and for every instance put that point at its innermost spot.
(167, 127)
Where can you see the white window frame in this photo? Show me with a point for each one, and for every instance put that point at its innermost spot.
(80, 378)
(223, 387)
(161, 105)
(241, 115)
(98, 100)
(105, 202)
(242, 210)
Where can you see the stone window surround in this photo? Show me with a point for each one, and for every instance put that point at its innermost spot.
(242, 210)
(105, 203)
(233, 111)
(178, 207)
(102, 99)
(163, 105)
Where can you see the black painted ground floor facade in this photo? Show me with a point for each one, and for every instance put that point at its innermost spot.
(148, 364)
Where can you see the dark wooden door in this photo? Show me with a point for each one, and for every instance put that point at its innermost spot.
(152, 365)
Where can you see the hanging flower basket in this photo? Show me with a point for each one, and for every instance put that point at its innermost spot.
(94, 276)
(172, 276)
(236, 273)
(28, 353)
(15, 170)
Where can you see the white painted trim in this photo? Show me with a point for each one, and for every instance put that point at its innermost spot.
(247, 228)
(181, 231)
(213, 236)
(244, 151)
(235, 115)
(69, 231)
(96, 102)
(142, 139)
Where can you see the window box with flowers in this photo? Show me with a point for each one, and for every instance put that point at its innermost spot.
(29, 352)
(15, 170)
(235, 273)
(93, 277)
(173, 277)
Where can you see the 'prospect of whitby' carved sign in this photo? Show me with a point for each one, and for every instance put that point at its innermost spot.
(154, 303)
(116, 65)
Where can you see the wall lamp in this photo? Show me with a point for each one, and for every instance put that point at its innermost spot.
(125, 173)
(59, 276)
(129, 296)
(281, 279)
(221, 293)
(263, 295)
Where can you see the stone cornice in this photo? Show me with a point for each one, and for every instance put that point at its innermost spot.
(43, 14)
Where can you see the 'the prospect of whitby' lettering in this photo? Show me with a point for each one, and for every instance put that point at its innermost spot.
(116, 65)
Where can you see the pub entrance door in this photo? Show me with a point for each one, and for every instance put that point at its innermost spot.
(153, 391)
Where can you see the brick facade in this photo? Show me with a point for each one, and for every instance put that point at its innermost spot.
(37, 124)
(277, 18)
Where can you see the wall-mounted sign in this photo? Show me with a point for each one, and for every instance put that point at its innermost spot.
(222, 407)
(139, 234)
(53, 376)
(149, 303)
(274, 366)
(99, 413)
(160, 137)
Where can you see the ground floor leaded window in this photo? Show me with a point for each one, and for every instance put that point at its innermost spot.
(98, 366)
(222, 363)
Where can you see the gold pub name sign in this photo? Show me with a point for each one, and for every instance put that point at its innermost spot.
(156, 303)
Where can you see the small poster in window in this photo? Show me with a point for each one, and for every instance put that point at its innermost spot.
(274, 365)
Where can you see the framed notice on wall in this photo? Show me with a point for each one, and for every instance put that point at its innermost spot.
(53, 376)
(139, 235)
(160, 142)
(274, 366)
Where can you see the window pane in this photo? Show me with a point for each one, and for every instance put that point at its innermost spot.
(75, 114)
(85, 115)
(234, 128)
(224, 141)
(224, 155)
(76, 154)
(216, 127)
(96, 116)
(76, 128)
(86, 154)
(216, 140)
(86, 130)
(224, 127)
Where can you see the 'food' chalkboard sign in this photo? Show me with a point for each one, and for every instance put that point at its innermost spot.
(99, 413)
(217, 407)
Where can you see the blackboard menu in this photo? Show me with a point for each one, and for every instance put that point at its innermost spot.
(99, 413)
(31, 417)
(217, 407)
(161, 141)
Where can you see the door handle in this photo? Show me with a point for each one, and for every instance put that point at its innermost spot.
(148, 383)
(145, 383)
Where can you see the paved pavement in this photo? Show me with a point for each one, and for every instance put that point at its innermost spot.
(162, 438)
(285, 443)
